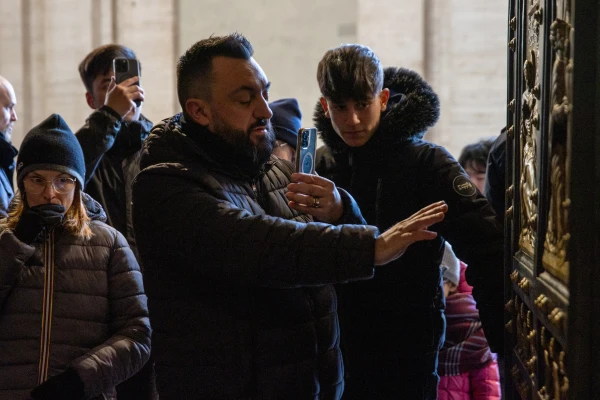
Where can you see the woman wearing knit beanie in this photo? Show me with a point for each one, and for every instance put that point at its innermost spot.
(73, 315)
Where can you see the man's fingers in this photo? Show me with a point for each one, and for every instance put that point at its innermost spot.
(424, 214)
(134, 89)
(422, 222)
(418, 236)
(300, 177)
(307, 209)
(306, 189)
(130, 81)
(308, 200)
(137, 96)
(425, 210)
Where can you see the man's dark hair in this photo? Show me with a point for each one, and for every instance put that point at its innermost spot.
(350, 72)
(195, 65)
(475, 155)
(100, 61)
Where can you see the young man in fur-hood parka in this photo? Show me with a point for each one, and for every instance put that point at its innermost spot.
(372, 122)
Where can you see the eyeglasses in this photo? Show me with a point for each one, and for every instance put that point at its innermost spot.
(61, 185)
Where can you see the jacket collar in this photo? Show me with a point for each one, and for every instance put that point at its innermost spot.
(413, 107)
(7, 153)
(175, 140)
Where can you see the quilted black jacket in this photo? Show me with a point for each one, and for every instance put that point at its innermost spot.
(238, 282)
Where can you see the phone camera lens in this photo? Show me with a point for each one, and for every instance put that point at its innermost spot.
(121, 65)
(304, 139)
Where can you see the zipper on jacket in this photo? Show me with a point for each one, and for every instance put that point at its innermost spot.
(45, 338)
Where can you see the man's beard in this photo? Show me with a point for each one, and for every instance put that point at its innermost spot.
(248, 154)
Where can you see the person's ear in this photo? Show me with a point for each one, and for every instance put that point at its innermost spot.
(199, 111)
(90, 100)
(325, 106)
(384, 96)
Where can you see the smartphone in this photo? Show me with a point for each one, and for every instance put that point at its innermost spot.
(305, 150)
(125, 68)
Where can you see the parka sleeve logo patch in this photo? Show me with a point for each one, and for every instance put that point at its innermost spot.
(463, 186)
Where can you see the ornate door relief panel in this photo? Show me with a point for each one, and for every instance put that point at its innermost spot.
(538, 228)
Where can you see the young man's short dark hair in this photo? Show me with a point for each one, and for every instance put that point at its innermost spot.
(100, 61)
(349, 72)
(475, 155)
(194, 66)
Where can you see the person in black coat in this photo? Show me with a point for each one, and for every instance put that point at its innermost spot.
(495, 176)
(372, 122)
(111, 140)
(238, 271)
(112, 136)
(8, 117)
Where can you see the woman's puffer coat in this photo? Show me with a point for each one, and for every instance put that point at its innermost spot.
(99, 316)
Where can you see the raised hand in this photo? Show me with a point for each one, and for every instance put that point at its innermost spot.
(391, 244)
(121, 98)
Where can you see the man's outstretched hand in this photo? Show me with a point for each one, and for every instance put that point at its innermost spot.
(391, 244)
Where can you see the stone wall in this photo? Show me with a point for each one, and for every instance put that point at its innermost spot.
(458, 45)
(42, 43)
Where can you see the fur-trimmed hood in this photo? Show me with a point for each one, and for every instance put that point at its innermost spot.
(413, 107)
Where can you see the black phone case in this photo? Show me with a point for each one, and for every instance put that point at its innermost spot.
(133, 69)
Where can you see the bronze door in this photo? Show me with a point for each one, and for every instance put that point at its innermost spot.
(547, 254)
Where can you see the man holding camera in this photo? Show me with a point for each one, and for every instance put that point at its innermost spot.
(112, 136)
(111, 140)
(237, 271)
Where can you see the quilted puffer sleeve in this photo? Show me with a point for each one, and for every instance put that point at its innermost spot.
(212, 238)
(13, 255)
(485, 383)
(128, 349)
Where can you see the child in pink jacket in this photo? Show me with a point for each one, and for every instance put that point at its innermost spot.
(468, 370)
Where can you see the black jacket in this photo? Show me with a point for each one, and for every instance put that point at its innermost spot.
(7, 168)
(99, 316)
(495, 176)
(238, 282)
(391, 320)
(112, 151)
